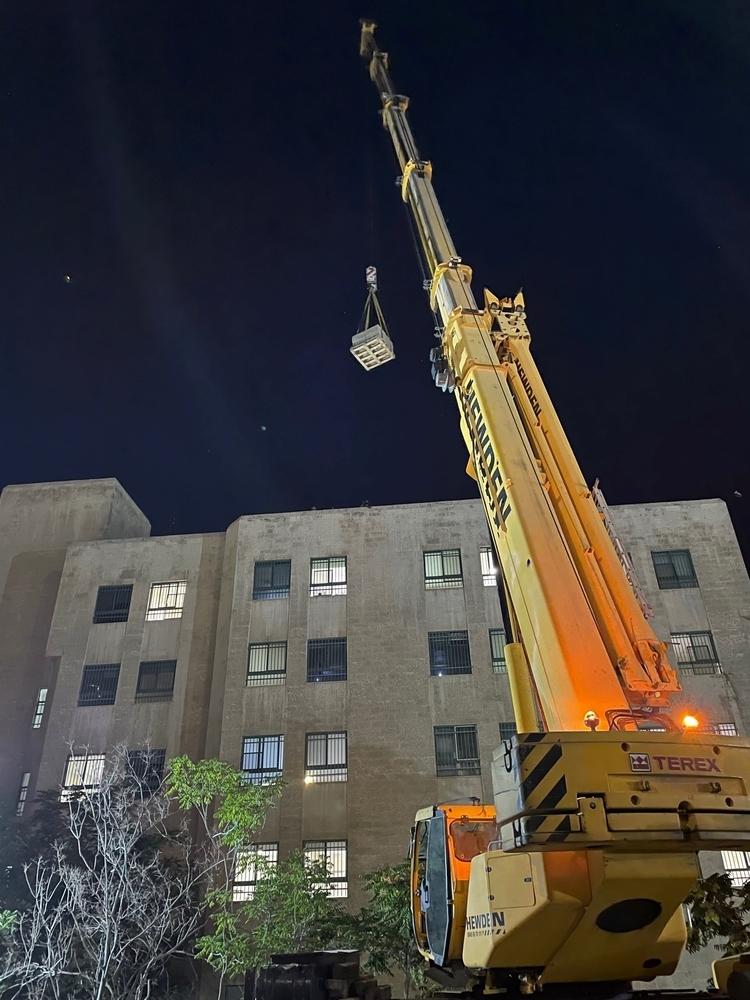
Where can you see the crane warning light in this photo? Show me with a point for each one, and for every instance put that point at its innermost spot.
(591, 721)
(689, 722)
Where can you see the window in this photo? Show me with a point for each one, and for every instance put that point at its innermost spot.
(456, 750)
(488, 565)
(442, 569)
(262, 759)
(449, 653)
(23, 793)
(99, 684)
(507, 729)
(155, 680)
(737, 865)
(112, 604)
(165, 601)
(41, 701)
(497, 651)
(719, 728)
(326, 659)
(695, 652)
(674, 569)
(83, 772)
(147, 768)
(328, 577)
(271, 580)
(331, 853)
(325, 757)
(266, 663)
(252, 865)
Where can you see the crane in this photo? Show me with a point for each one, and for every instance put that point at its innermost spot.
(574, 879)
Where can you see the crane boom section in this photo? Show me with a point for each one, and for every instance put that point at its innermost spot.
(587, 643)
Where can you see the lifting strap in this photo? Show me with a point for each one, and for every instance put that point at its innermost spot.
(372, 304)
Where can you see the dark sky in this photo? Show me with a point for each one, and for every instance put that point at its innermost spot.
(214, 179)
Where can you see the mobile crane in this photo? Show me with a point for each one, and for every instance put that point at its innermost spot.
(574, 880)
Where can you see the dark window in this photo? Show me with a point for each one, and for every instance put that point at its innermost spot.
(155, 679)
(328, 577)
(331, 853)
(99, 684)
(325, 757)
(674, 569)
(507, 729)
(449, 653)
(442, 569)
(326, 660)
(497, 650)
(695, 652)
(113, 604)
(262, 759)
(456, 750)
(271, 579)
(266, 663)
(147, 768)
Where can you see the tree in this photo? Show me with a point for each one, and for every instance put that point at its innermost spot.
(719, 911)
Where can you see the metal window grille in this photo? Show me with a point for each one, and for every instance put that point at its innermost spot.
(326, 659)
(83, 772)
(99, 684)
(113, 604)
(507, 730)
(266, 663)
(262, 759)
(719, 728)
(147, 768)
(737, 866)
(23, 793)
(252, 866)
(155, 680)
(488, 565)
(456, 750)
(328, 577)
(325, 757)
(497, 651)
(41, 701)
(165, 600)
(695, 652)
(332, 853)
(674, 569)
(442, 569)
(271, 579)
(449, 653)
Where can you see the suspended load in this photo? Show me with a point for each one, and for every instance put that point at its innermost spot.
(371, 345)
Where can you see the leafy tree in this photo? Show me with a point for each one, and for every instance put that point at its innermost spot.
(719, 911)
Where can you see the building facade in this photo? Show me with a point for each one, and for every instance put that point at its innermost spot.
(357, 653)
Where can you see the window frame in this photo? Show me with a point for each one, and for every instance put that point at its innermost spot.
(488, 567)
(154, 669)
(165, 611)
(328, 771)
(105, 616)
(107, 672)
(739, 874)
(262, 775)
(272, 592)
(507, 730)
(332, 643)
(39, 710)
(23, 793)
(442, 580)
(719, 728)
(92, 762)
(498, 661)
(247, 862)
(330, 587)
(457, 769)
(685, 644)
(259, 678)
(337, 886)
(673, 581)
(451, 640)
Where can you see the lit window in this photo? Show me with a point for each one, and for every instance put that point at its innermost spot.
(737, 866)
(331, 853)
(99, 684)
(507, 730)
(695, 652)
(83, 773)
(266, 663)
(719, 728)
(165, 600)
(271, 580)
(325, 757)
(449, 653)
(488, 565)
(147, 768)
(328, 577)
(456, 750)
(41, 701)
(113, 604)
(252, 865)
(155, 680)
(674, 569)
(326, 659)
(442, 569)
(262, 759)
(497, 650)
(23, 793)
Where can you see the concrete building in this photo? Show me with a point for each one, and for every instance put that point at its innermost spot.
(356, 652)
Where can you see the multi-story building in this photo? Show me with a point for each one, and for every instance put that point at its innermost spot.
(357, 653)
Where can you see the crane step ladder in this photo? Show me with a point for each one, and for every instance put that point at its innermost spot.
(372, 345)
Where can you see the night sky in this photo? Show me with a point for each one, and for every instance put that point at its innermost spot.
(213, 179)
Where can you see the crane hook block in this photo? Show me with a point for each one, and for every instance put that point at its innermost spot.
(371, 344)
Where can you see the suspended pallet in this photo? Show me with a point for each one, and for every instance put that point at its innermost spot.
(372, 345)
